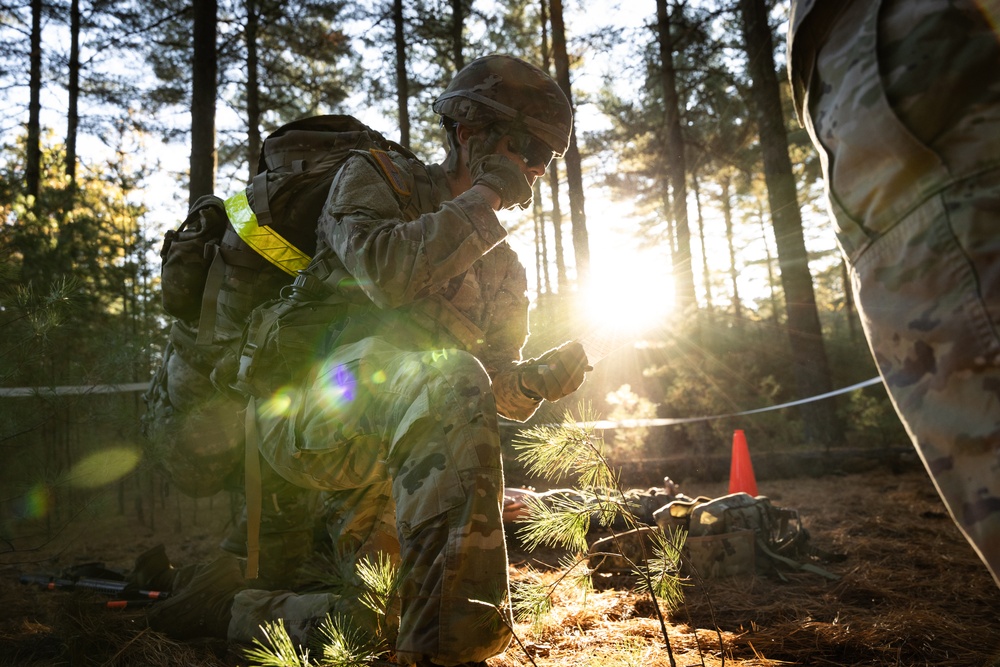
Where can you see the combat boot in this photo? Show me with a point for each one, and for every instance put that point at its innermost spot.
(203, 607)
(152, 570)
(235, 541)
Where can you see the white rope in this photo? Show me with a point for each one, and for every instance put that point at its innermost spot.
(18, 392)
(605, 424)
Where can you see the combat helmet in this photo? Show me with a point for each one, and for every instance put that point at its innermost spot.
(500, 88)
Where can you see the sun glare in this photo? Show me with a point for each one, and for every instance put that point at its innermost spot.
(628, 295)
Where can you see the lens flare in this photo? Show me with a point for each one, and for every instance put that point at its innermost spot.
(34, 504)
(279, 405)
(103, 467)
(339, 387)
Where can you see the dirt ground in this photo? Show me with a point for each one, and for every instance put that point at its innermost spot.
(910, 592)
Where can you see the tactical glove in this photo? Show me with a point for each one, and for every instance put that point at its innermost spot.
(557, 373)
(504, 177)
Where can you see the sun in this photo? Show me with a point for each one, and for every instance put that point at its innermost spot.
(629, 292)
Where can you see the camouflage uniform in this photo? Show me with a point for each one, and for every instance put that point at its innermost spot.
(902, 99)
(399, 425)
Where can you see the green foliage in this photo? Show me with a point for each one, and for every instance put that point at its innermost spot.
(343, 646)
(573, 451)
(338, 639)
(339, 645)
(76, 308)
(380, 580)
(560, 522)
(662, 567)
(277, 649)
(872, 420)
(558, 452)
(530, 600)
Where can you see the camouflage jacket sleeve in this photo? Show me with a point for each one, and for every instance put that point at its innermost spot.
(395, 260)
(505, 324)
(398, 260)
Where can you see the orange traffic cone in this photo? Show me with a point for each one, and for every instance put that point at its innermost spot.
(741, 470)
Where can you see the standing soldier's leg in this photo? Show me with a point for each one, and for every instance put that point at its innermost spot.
(905, 106)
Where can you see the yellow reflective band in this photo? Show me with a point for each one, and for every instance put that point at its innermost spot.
(268, 243)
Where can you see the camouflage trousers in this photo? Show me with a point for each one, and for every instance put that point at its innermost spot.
(904, 107)
(405, 447)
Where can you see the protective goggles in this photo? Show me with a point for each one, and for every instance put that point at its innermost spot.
(532, 150)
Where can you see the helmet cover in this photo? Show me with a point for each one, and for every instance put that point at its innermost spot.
(505, 89)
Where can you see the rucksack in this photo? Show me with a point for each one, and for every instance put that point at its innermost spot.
(227, 258)
(736, 534)
(739, 533)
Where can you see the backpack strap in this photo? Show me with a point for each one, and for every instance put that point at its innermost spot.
(252, 489)
(793, 564)
(260, 198)
(210, 297)
(263, 239)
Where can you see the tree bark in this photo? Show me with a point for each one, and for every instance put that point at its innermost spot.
(574, 170)
(33, 164)
(705, 272)
(204, 92)
(73, 111)
(254, 140)
(727, 215)
(677, 167)
(772, 284)
(402, 81)
(805, 334)
(458, 13)
(541, 260)
(562, 280)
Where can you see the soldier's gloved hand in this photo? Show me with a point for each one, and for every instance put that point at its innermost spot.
(502, 175)
(557, 373)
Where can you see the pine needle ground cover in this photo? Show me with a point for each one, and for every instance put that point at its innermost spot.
(911, 592)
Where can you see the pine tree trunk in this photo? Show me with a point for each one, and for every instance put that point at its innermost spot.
(538, 217)
(805, 334)
(771, 282)
(458, 13)
(727, 215)
(73, 110)
(706, 274)
(402, 81)
(574, 170)
(254, 140)
(204, 88)
(562, 280)
(677, 168)
(33, 164)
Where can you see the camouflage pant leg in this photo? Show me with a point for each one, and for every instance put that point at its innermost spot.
(426, 423)
(300, 614)
(362, 522)
(288, 521)
(904, 105)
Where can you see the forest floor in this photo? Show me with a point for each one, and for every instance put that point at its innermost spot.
(910, 592)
